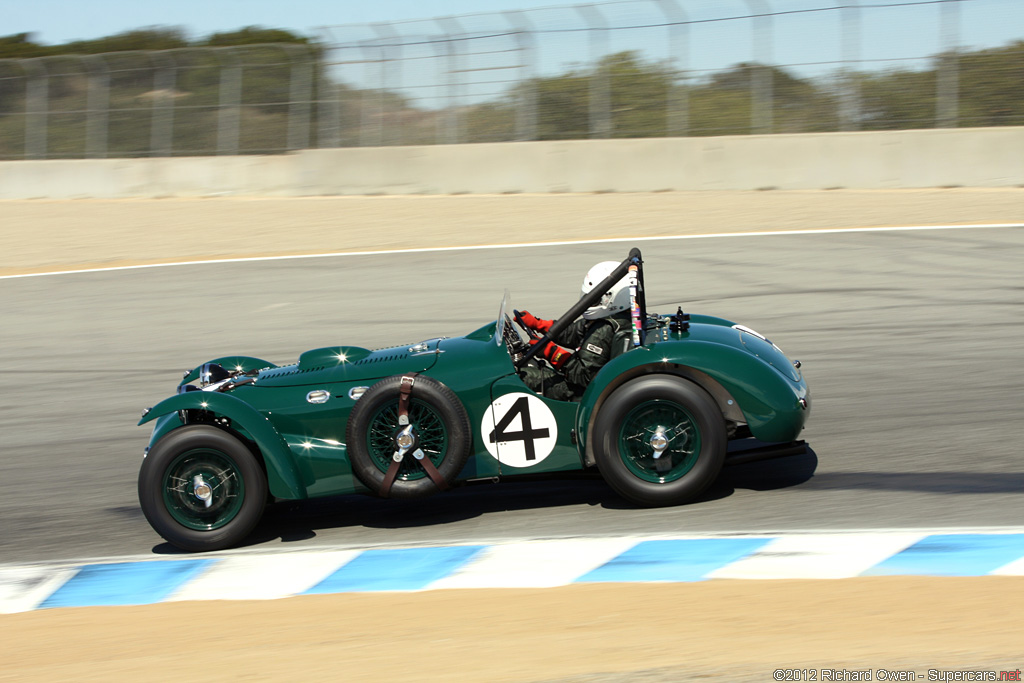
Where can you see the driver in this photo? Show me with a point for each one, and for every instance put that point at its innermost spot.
(584, 346)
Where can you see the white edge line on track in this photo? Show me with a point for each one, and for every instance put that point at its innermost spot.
(521, 245)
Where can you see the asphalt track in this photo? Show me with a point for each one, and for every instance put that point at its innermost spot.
(911, 344)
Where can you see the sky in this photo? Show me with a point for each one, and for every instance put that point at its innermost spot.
(987, 22)
(59, 21)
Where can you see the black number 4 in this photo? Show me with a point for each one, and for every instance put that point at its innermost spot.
(522, 408)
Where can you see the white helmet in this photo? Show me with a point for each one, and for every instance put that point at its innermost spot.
(615, 300)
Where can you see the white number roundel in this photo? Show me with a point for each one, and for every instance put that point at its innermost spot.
(519, 430)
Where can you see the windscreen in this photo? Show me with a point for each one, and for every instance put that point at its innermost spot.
(502, 319)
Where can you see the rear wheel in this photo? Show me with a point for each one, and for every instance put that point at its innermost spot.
(201, 488)
(659, 440)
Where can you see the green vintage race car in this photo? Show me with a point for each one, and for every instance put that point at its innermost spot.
(657, 421)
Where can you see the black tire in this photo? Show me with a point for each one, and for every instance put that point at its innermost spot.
(168, 488)
(442, 431)
(694, 429)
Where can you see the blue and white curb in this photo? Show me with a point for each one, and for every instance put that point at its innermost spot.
(528, 564)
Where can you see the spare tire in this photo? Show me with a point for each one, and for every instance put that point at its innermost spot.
(440, 425)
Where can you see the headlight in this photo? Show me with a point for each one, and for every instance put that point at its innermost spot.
(212, 373)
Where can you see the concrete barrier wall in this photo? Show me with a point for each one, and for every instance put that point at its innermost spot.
(980, 157)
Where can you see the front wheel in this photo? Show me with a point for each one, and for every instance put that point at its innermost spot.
(659, 440)
(202, 489)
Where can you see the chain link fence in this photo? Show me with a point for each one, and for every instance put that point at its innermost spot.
(190, 101)
(626, 68)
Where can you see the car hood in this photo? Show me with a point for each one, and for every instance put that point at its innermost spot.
(351, 364)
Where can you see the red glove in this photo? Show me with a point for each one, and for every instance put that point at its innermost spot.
(553, 353)
(535, 323)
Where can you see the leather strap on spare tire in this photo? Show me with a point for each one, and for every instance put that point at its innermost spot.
(404, 392)
(393, 444)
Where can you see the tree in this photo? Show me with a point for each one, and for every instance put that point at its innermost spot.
(254, 35)
(20, 46)
(992, 86)
(160, 38)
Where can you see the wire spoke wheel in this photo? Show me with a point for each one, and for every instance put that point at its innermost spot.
(645, 422)
(428, 427)
(659, 440)
(438, 430)
(203, 489)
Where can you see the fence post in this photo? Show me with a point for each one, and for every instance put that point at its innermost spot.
(36, 104)
(300, 95)
(452, 30)
(328, 101)
(97, 106)
(161, 131)
(849, 94)
(390, 54)
(526, 101)
(371, 113)
(677, 120)
(761, 78)
(948, 86)
(229, 117)
(600, 87)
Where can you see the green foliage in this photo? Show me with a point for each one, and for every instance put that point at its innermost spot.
(723, 106)
(563, 109)
(140, 39)
(254, 35)
(642, 94)
(898, 99)
(992, 86)
(19, 46)
(491, 122)
(637, 90)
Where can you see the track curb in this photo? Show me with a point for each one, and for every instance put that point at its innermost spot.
(242, 575)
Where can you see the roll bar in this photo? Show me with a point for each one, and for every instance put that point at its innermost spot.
(592, 297)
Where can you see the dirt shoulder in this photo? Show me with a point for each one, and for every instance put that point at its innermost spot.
(722, 630)
(46, 235)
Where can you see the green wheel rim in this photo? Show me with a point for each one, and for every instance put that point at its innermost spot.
(216, 470)
(679, 427)
(431, 437)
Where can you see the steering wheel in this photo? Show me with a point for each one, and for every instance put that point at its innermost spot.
(515, 344)
(532, 333)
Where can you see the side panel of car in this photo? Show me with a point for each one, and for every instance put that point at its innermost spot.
(529, 433)
(311, 420)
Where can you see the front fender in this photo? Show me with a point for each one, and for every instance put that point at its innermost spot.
(282, 475)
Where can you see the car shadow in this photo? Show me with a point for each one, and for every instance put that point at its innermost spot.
(296, 521)
(299, 520)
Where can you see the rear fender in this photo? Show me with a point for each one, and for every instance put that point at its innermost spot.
(282, 474)
(745, 388)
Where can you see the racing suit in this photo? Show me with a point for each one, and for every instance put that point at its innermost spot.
(591, 341)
